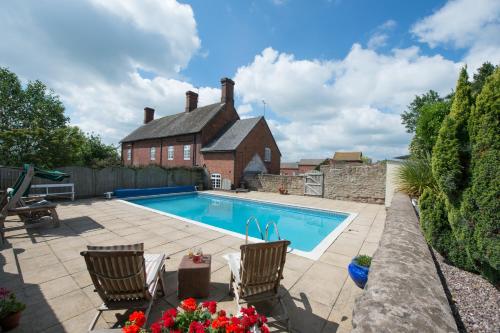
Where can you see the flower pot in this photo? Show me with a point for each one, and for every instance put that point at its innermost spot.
(359, 274)
(10, 322)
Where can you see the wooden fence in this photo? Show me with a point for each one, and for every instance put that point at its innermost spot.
(91, 182)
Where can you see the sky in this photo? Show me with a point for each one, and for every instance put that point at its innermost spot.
(335, 75)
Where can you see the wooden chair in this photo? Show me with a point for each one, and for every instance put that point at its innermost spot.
(30, 212)
(256, 273)
(124, 277)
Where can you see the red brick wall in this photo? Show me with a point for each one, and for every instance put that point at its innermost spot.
(222, 163)
(141, 152)
(259, 138)
(289, 171)
(212, 129)
(306, 168)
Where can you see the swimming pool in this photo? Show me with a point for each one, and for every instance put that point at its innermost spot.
(310, 231)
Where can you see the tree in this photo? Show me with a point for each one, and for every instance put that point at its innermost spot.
(481, 205)
(34, 129)
(480, 77)
(451, 153)
(427, 127)
(410, 117)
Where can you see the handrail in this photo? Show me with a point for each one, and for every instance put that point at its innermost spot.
(275, 229)
(250, 219)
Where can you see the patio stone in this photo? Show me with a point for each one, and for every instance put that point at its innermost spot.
(61, 298)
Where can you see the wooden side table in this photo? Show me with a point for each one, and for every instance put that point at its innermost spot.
(193, 279)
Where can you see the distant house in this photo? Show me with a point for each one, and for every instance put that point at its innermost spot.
(303, 166)
(212, 136)
(343, 157)
(289, 169)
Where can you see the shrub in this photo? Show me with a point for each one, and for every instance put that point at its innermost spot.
(415, 175)
(363, 260)
(437, 230)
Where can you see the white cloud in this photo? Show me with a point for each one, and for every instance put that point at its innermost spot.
(352, 103)
(470, 24)
(380, 36)
(90, 52)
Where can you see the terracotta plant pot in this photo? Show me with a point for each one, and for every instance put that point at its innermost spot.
(11, 321)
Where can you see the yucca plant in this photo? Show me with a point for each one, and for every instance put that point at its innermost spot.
(415, 175)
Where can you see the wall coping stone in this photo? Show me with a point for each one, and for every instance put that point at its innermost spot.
(404, 292)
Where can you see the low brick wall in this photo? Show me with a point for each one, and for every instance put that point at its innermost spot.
(404, 292)
(363, 183)
(271, 183)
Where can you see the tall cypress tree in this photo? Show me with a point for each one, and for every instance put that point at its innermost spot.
(481, 204)
(451, 154)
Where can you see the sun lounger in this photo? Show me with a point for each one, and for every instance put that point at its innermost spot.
(257, 271)
(124, 277)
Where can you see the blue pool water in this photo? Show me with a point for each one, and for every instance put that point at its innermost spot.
(305, 228)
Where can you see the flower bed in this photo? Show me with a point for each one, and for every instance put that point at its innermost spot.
(199, 318)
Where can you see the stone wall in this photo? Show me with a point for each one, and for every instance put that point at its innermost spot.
(271, 183)
(363, 183)
(404, 292)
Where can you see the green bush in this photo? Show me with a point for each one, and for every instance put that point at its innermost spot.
(437, 230)
(364, 260)
(481, 204)
(415, 175)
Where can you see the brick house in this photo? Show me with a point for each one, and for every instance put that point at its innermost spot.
(303, 166)
(212, 136)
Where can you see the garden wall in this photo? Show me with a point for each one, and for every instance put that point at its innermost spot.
(271, 183)
(91, 182)
(404, 292)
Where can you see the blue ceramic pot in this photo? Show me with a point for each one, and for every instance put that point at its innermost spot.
(359, 274)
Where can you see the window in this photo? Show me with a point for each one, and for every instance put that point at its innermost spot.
(129, 154)
(170, 153)
(187, 152)
(267, 154)
(152, 153)
(216, 180)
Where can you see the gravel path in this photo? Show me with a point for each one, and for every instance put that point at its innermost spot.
(477, 300)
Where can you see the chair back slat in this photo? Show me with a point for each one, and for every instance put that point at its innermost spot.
(118, 272)
(262, 267)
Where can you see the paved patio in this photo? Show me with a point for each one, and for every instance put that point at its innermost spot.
(45, 269)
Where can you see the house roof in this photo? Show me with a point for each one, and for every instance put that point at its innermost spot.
(289, 165)
(176, 124)
(233, 136)
(348, 156)
(311, 161)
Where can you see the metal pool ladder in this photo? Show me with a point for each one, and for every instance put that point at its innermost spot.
(275, 230)
(253, 219)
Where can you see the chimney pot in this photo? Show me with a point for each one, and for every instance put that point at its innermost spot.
(149, 114)
(227, 90)
(191, 101)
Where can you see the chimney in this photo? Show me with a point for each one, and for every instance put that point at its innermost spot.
(227, 90)
(191, 101)
(149, 114)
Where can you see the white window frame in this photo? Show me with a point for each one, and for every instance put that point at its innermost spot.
(129, 154)
(152, 153)
(187, 152)
(216, 179)
(170, 153)
(267, 154)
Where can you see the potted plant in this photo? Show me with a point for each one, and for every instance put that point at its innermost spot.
(10, 310)
(359, 268)
(199, 318)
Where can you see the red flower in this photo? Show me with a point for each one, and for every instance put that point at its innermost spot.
(263, 319)
(248, 311)
(211, 306)
(220, 322)
(138, 318)
(168, 321)
(175, 331)
(196, 327)
(131, 329)
(156, 328)
(189, 304)
(264, 329)
(222, 313)
(171, 312)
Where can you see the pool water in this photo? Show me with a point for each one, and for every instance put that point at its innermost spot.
(305, 228)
